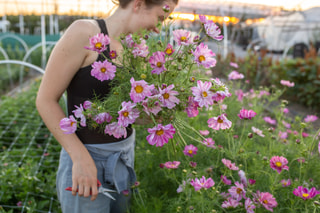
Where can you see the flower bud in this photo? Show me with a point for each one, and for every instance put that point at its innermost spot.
(166, 8)
(250, 135)
(196, 39)
(303, 125)
(145, 37)
(265, 158)
(191, 207)
(298, 141)
(194, 172)
(271, 129)
(170, 17)
(192, 79)
(143, 76)
(184, 170)
(241, 150)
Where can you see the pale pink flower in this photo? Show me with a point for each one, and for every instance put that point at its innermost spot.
(102, 117)
(233, 64)
(141, 49)
(209, 142)
(231, 166)
(234, 75)
(129, 41)
(225, 180)
(192, 108)
(202, 183)
(237, 192)
(169, 50)
(287, 83)
(103, 70)
(204, 132)
(243, 178)
(181, 187)
(116, 130)
(159, 135)
(190, 150)
(87, 104)
(78, 113)
(286, 125)
(270, 120)
(223, 107)
(240, 94)
(230, 203)
(279, 163)
(246, 114)
(285, 183)
(249, 205)
(202, 93)
(285, 110)
(204, 56)
(172, 165)
(152, 105)
(212, 30)
(304, 134)
(157, 62)
(128, 114)
(257, 131)
(99, 43)
(168, 97)
(283, 135)
(220, 122)
(305, 193)
(140, 90)
(266, 200)
(310, 118)
(182, 37)
(68, 125)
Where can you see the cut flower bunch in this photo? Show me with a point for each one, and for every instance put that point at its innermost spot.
(152, 81)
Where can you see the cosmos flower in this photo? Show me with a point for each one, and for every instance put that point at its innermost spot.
(159, 135)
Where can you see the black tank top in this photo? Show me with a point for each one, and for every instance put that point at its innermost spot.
(84, 87)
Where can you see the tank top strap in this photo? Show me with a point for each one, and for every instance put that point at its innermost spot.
(104, 30)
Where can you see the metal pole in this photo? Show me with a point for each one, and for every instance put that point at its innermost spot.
(4, 26)
(225, 36)
(21, 24)
(43, 38)
(51, 24)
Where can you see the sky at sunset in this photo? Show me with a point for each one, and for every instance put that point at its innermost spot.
(101, 6)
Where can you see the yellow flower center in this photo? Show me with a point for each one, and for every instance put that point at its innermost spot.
(165, 95)
(265, 201)
(113, 55)
(159, 132)
(202, 58)
(239, 190)
(103, 69)
(220, 121)
(159, 64)
(169, 51)
(125, 114)
(98, 45)
(204, 94)
(139, 89)
(190, 152)
(183, 38)
(305, 195)
(278, 164)
(71, 124)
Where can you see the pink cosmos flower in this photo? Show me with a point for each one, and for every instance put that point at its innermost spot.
(240, 94)
(279, 163)
(152, 105)
(181, 187)
(230, 203)
(193, 164)
(182, 37)
(78, 113)
(103, 70)
(305, 193)
(286, 125)
(270, 120)
(113, 54)
(252, 181)
(102, 117)
(212, 30)
(285, 110)
(223, 107)
(243, 178)
(231, 166)
(220, 122)
(202, 93)
(169, 50)
(202, 183)
(204, 132)
(234, 75)
(235, 65)
(172, 165)
(157, 61)
(99, 43)
(116, 130)
(141, 49)
(190, 150)
(140, 90)
(68, 125)
(246, 114)
(209, 142)
(168, 97)
(225, 180)
(304, 134)
(266, 200)
(87, 105)
(129, 41)
(192, 108)
(204, 56)
(249, 205)
(257, 131)
(310, 118)
(128, 114)
(159, 135)
(285, 183)
(287, 83)
(237, 192)
(283, 135)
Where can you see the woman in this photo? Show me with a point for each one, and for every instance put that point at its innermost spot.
(88, 155)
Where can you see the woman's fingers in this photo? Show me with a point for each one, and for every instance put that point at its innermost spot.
(85, 190)
(94, 192)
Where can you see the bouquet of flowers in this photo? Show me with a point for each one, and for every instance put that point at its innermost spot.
(155, 80)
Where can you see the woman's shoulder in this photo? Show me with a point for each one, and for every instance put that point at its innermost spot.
(84, 28)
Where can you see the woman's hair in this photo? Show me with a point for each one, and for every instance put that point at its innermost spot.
(149, 3)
